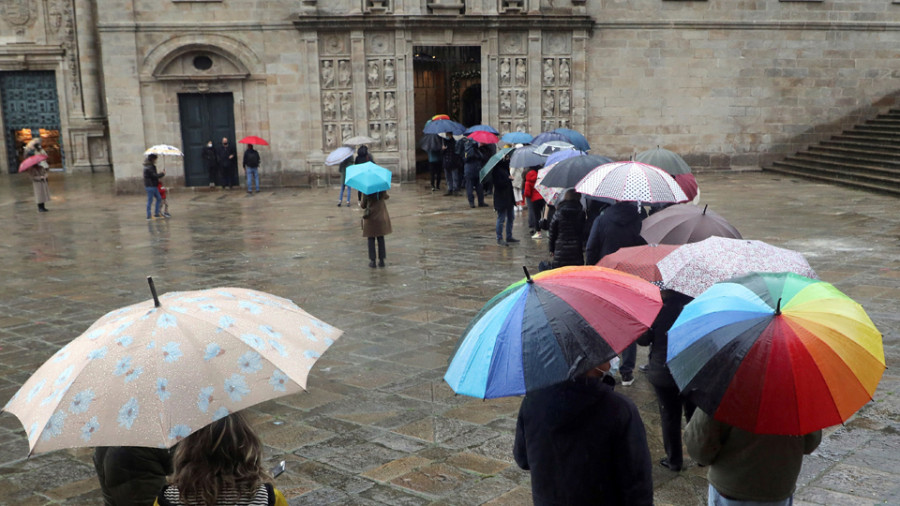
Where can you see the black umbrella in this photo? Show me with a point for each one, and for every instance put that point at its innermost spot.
(567, 173)
(431, 142)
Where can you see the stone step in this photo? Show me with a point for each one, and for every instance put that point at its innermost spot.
(850, 166)
(860, 149)
(859, 156)
(878, 131)
(866, 139)
(893, 123)
(866, 181)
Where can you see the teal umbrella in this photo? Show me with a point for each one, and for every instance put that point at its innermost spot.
(666, 160)
(492, 162)
(368, 178)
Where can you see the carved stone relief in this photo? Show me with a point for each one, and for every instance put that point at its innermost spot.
(390, 105)
(373, 73)
(557, 43)
(329, 111)
(565, 106)
(335, 44)
(513, 43)
(375, 133)
(390, 136)
(346, 131)
(389, 76)
(521, 72)
(548, 103)
(347, 106)
(381, 98)
(374, 105)
(343, 73)
(505, 104)
(563, 71)
(549, 75)
(331, 140)
(327, 74)
(505, 70)
(521, 126)
(336, 96)
(379, 43)
(505, 126)
(18, 13)
(521, 102)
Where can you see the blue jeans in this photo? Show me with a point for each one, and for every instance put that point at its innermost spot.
(629, 357)
(714, 498)
(452, 176)
(252, 175)
(341, 196)
(474, 183)
(508, 216)
(153, 193)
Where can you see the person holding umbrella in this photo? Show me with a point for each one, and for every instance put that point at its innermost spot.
(504, 202)
(452, 163)
(473, 159)
(376, 223)
(38, 173)
(251, 168)
(151, 184)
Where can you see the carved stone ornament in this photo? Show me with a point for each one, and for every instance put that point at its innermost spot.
(563, 71)
(334, 44)
(380, 43)
(375, 133)
(522, 126)
(390, 105)
(505, 72)
(331, 136)
(549, 76)
(346, 131)
(327, 74)
(17, 12)
(329, 101)
(389, 75)
(505, 126)
(548, 103)
(565, 103)
(512, 43)
(521, 71)
(505, 103)
(344, 75)
(557, 43)
(390, 135)
(521, 102)
(56, 12)
(373, 73)
(346, 106)
(374, 105)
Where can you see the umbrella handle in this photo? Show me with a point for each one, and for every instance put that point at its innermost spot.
(153, 291)
(527, 275)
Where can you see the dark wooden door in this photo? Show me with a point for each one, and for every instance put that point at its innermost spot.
(30, 107)
(204, 117)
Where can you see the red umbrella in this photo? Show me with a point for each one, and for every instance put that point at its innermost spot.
(688, 183)
(31, 161)
(252, 139)
(639, 260)
(484, 137)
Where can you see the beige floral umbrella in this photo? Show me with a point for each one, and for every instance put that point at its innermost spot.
(152, 373)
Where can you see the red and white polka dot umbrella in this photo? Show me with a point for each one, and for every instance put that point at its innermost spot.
(633, 182)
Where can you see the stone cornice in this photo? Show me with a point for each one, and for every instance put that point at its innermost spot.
(30, 50)
(180, 27)
(437, 22)
(749, 25)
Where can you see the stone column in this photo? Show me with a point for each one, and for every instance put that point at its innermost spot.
(534, 80)
(358, 64)
(490, 110)
(405, 143)
(578, 79)
(88, 59)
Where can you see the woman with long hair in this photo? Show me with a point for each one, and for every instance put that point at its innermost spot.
(220, 464)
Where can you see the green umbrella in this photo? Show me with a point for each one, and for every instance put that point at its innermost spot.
(666, 160)
(492, 162)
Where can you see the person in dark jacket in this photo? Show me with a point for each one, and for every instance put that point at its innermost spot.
(131, 475)
(566, 229)
(593, 207)
(210, 163)
(473, 160)
(343, 170)
(584, 444)
(362, 156)
(251, 168)
(452, 163)
(504, 202)
(671, 402)
(151, 184)
(226, 157)
(618, 227)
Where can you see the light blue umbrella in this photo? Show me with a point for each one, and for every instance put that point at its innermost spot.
(526, 157)
(575, 138)
(482, 128)
(517, 138)
(368, 178)
(562, 155)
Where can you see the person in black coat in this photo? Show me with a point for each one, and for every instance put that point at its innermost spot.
(584, 444)
(226, 157)
(131, 475)
(671, 402)
(210, 164)
(504, 201)
(452, 164)
(474, 156)
(566, 229)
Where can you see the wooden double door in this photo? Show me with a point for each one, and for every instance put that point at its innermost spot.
(204, 117)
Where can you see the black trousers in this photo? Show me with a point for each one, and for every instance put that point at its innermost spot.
(671, 405)
(381, 252)
(436, 169)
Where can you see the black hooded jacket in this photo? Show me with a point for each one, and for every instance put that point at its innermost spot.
(504, 199)
(566, 229)
(618, 227)
(584, 444)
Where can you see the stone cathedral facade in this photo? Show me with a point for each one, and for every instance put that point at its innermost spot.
(726, 83)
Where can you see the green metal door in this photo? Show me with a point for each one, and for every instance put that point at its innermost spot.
(29, 105)
(204, 117)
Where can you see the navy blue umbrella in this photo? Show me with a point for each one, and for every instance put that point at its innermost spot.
(545, 137)
(440, 126)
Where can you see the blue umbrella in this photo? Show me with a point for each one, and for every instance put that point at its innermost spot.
(526, 157)
(482, 128)
(517, 138)
(368, 178)
(545, 137)
(575, 138)
(562, 155)
(440, 126)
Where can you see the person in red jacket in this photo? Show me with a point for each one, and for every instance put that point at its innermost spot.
(534, 200)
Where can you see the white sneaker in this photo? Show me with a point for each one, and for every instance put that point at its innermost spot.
(537, 235)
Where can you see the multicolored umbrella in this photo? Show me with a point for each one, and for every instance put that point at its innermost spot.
(31, 161)
(252, 139)
(694, 267)
(552, 195)
(368, 178)
(574, 137)
(683, 223)
(439, 116)
(492, 162)
(631, 181)
(339, 155)
(481, 128)
(568, 172)
(152, 373)
(517, 138)
(483, 137)
(776, 354)
(548, 328)
(666, 160)
(639, 260)
(440, 126)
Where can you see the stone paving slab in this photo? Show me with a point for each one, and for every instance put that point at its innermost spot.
(378, 424)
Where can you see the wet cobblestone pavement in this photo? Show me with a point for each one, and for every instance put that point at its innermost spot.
(378, 425)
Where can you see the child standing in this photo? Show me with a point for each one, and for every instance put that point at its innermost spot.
(164, 192)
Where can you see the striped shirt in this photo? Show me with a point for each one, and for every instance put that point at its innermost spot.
(264, 496)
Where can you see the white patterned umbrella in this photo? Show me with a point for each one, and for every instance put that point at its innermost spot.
(151, 374)
(631, 181)
(694, 267)
(551, 194)
(163, 149)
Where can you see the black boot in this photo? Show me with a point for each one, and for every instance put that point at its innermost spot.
(41, 208)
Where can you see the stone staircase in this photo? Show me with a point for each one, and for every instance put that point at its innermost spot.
(867, 157)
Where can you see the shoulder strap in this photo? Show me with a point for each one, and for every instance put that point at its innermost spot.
(270, 494)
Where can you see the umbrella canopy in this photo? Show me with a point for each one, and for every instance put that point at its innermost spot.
(664, 159)
(368, 178)
(481, 128)
(526, 157)
(552, 195)
(252, 139)
(439, 116)
(339, 155)
(431, 142)
(359, 140)
(163, 149)
(561, 155)
(568, 172)
(548, 148)
(492, 162)
(631, 181)
(776, 353)
(31, 161)
(543, 330)
(683, 223)
(688, 184)
(575, 138)
(439, 126)
(484, 137)
(151, 374)
(639, 260)
(548, 137)
(694, 267)
(517, 138)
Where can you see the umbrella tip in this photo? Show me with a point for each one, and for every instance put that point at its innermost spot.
(704, 208)
(153, 291)
(527, 275)
(778, 307)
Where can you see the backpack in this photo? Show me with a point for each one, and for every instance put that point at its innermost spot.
(251, 158)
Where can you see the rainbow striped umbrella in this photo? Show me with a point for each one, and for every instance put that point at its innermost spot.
(548, 328)
(776, 353)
